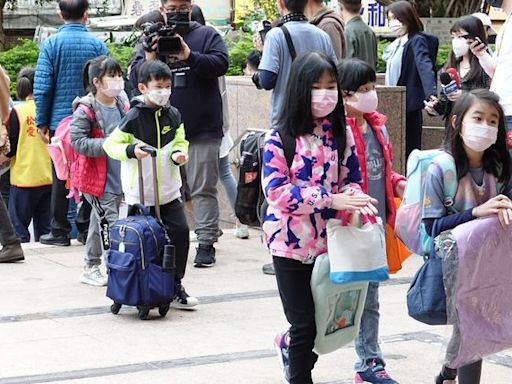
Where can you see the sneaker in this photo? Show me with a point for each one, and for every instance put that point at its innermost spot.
(192, 237)
(375, 373)
(205, 256)
(11, 253)
(93, 276)
(183, 301)
(268, 269)
(50, 239)
(281, 343)
(241, 231)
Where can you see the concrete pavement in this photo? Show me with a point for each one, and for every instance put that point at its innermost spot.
(54, 329)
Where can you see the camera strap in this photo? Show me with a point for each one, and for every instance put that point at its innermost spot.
(289, 42)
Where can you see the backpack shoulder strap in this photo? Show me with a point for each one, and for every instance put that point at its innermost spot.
(447, 164)
(289, 42)
(289, 145)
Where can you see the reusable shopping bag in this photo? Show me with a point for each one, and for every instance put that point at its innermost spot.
(338, 308)
(396, 251)
(356, 253)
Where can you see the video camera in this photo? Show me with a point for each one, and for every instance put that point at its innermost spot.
(168, 43)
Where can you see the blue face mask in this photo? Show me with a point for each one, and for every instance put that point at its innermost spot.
(495, 3)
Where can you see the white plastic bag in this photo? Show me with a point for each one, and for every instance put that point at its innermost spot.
(356, 253)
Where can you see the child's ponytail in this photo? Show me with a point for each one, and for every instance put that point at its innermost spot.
(97, 68)
(25, 83)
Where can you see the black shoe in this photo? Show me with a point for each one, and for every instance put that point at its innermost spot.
(205, 256)
(446, 376)
(82, 238)
(268, 269)
(49, 239)
(182, 300)
(11, 253)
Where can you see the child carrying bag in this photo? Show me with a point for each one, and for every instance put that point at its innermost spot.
(338, 308)
(356, 253)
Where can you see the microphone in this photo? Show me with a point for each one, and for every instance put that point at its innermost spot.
(448, 84)
(454, 75)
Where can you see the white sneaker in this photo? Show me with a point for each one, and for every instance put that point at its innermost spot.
(93, 276)
(193, 237)
(242, 231)
(183, 301)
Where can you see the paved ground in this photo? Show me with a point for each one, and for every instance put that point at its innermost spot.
(53, 329)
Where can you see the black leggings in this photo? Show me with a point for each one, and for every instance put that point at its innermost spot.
(293, 281)
(470, 374)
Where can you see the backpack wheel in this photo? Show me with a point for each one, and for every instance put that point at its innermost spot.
(144, 312)
(163, 309)
(115, 308)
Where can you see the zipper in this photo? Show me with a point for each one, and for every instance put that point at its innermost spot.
(122, 232)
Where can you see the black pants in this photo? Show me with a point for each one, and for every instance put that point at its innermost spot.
(470, 374)
(293, 281)
(7, 234)
(175, 222)
(59, 207)
(27, 204)
(413, 130)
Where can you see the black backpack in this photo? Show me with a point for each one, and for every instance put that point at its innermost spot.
(250, 205)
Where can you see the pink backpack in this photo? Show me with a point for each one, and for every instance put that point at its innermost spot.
(62, 153)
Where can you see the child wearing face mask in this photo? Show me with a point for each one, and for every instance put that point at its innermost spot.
(153, 121)
(357, 82)
(301, 198)
(476, 140)
(98, 177)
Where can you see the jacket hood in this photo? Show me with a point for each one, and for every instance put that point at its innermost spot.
(325, 12)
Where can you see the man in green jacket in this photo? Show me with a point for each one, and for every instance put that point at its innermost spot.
(360, 40)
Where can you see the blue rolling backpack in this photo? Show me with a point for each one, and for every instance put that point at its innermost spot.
(140, 260)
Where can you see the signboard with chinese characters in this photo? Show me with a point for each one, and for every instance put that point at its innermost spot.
(212, 9)
(113, 7)
(375, 15)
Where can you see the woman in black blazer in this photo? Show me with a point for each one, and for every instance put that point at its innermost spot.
(411, 62)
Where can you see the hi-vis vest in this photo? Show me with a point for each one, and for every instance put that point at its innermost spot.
(31, 167)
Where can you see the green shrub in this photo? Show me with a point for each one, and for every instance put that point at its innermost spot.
(238, 48)
(20, 56)
(121, 53)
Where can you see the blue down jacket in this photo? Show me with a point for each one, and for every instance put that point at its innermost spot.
(58, 79)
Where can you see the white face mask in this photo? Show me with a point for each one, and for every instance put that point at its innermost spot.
(114, 87)
(366, 101)
(396, 27)
(479, 137)
(459, 46)
(159, 96)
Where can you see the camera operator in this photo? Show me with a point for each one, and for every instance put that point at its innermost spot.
(200, 59)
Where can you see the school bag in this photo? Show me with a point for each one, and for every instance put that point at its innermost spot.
(338, 308)
(141, 261)
(62, 153)
(409, 227)
(250, 204)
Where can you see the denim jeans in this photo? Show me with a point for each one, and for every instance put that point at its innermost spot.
(367, 341)
(228, 181)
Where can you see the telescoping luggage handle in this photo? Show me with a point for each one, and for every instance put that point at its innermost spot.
(153, 153)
